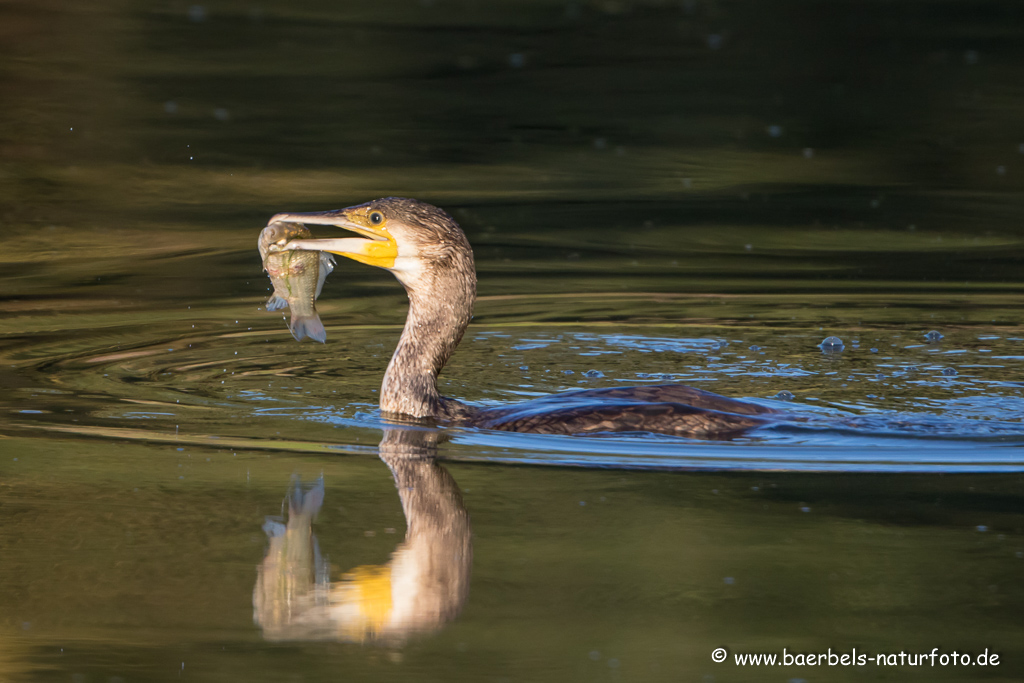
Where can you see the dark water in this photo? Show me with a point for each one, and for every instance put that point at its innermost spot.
(693, 192)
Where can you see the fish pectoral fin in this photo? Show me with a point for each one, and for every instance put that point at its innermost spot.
(327, 261)
(276, 303)
(326, 266)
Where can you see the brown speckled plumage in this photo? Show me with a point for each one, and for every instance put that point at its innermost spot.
(440, 279)
(441, 300)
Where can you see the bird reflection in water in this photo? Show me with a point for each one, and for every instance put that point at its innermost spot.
(423, 586)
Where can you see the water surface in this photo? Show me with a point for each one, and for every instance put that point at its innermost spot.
(688, 192)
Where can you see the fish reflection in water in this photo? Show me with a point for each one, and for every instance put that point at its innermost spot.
(423, 586)
(298, 277)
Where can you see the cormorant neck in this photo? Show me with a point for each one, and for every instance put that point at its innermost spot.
(440, 308)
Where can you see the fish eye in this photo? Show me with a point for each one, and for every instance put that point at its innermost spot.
(376, 218)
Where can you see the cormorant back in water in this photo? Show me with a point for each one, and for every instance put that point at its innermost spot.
(429, 254)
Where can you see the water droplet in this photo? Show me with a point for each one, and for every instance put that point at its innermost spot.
(933, 336)
(831, 345)
(784, 395)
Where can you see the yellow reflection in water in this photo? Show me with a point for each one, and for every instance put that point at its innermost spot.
(423, 587)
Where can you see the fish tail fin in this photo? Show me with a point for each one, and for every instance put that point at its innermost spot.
(275, 303)
(305, 499)
(308, 326)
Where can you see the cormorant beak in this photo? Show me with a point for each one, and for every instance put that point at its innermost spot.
(377, 249)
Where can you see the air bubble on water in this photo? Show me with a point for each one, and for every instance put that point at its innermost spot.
(831, 345)
(568, 372)
(933, 336)
(949, 372)
(755, 347)
(784, 395)
(593, 373)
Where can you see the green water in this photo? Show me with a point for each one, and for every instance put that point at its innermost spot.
(694, 192)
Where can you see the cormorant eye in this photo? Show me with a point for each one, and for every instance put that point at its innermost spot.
(376, 218)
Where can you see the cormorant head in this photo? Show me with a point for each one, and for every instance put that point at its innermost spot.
(406, 236)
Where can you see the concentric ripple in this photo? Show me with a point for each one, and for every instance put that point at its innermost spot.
(890, 400)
